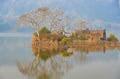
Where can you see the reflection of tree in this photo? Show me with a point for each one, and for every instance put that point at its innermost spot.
(83, 56)
(46, 65)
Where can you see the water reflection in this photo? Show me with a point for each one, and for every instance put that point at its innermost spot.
(56, 64)
(97, 47)
(46, 64)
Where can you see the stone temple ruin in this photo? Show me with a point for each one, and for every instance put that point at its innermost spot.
(94, 35)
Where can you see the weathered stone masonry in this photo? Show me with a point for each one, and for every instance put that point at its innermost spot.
(94, 35)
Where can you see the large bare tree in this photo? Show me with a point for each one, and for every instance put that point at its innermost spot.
(34, 19)
(53, 19)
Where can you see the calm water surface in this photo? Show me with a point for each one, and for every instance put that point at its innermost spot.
(19, 60)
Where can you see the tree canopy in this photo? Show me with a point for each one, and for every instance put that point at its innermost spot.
(53, 18)
(81, 24)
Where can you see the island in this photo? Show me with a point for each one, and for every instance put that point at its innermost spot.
(52, 31)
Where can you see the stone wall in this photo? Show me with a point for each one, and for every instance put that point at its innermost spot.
(94, 35)
(97, 35)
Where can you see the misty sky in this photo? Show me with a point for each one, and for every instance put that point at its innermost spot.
(105, 12)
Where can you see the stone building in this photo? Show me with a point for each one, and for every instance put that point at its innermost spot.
(94, 35)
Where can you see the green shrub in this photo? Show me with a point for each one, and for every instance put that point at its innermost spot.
(83, 37)
(35, 34)
(66, 40)
(50, 36)
(46, 34)
(112, 38)
(42, 31)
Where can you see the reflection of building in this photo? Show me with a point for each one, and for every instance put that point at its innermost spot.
(94, 35)
(95, 47)
(90, 48)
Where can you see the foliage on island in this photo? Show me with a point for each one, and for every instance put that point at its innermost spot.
(46, 34)
(42, 31)
(83, 37)
(113, 38)
(66, 40)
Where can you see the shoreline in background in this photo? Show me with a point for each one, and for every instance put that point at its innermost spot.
(17, 34)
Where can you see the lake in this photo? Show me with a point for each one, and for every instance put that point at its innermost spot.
(19, 60)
